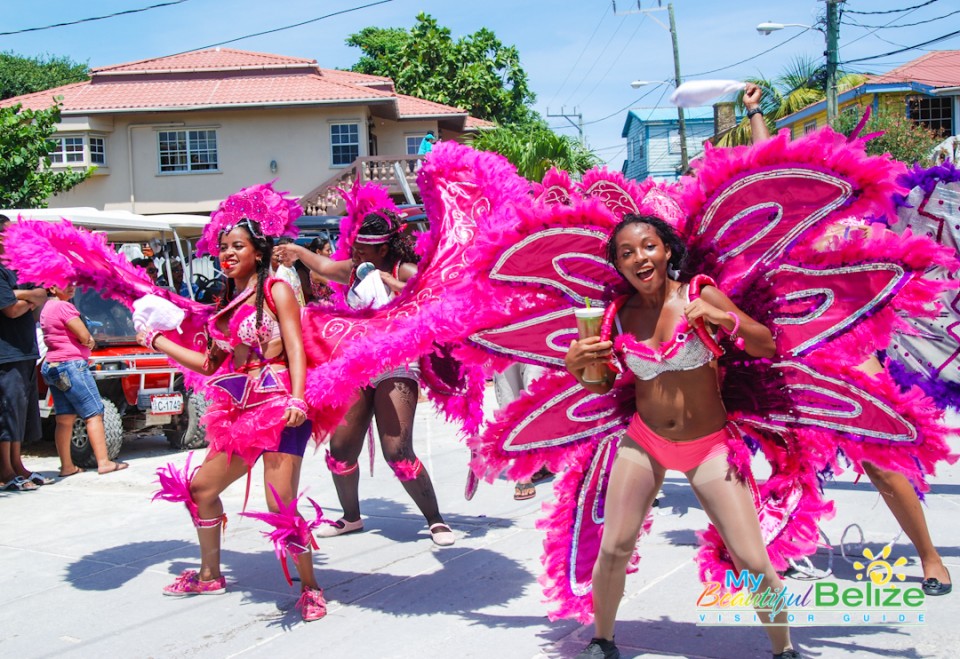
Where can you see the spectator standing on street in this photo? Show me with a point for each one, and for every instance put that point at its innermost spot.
(67, 373)
(320, 285)
(19, 396)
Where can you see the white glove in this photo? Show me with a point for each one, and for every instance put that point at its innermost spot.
(152, 312)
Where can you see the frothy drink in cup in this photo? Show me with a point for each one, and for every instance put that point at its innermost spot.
(588, 324)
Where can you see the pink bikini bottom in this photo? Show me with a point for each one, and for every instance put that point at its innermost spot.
(679, 455)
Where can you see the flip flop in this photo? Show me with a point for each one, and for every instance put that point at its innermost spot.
(78, 470)
(40, 479)
(524, 491)
(117, 466)
(19, 484)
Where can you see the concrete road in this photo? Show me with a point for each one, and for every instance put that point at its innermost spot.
(82, 563)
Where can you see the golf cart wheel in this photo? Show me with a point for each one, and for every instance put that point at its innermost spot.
(188, 434)
(80, 447)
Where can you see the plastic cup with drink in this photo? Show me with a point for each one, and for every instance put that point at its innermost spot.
(588, 324)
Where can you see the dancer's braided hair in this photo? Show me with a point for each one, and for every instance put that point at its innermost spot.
(264, 249)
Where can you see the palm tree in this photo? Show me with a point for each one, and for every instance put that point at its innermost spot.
(534, 149)
(803, 83)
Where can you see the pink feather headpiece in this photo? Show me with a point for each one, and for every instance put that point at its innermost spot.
(361, 200)
(271, 210)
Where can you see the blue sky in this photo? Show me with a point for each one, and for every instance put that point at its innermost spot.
(577, 54)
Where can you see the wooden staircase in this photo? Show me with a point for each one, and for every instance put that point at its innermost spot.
(326, 200)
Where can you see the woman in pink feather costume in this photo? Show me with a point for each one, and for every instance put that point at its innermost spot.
(382, 260)
(258, 407)
(666, 335)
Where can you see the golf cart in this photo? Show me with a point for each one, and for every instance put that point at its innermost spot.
(140, 389)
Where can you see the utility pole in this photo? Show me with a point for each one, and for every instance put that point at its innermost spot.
(833, 31)
(672, 29)
(682, 127)
(569, 117)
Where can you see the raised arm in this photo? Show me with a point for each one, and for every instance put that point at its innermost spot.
(752, 95)
(338, 271)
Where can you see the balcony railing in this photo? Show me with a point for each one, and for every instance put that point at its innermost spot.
(325, 200)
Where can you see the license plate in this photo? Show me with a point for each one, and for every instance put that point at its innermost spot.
(166, 404)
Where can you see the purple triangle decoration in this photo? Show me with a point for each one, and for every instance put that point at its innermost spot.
(268, 382)
(235, 385)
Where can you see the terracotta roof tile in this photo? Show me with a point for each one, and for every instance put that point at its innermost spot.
(417, 107)
(214, 58)
(353, 78)
(938, 69)
(228, 78)
(474, 122)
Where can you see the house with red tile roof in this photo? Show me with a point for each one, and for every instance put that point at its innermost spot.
(926, 89)
(177, 134)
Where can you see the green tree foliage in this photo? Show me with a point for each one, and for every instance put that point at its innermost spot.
(26, 180)
(803, 83)
(534, 149)
(25, 75)
(903, 138)
(477, 72)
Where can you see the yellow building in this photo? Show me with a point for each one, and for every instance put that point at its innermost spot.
(926, 90)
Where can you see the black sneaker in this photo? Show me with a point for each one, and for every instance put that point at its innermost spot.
(600, 648)
(788, 654)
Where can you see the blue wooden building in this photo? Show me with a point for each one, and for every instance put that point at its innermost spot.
(653, 140)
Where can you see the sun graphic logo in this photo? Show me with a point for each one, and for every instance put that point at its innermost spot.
(880, 570)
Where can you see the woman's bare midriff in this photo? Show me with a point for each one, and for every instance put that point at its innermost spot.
(682, 405)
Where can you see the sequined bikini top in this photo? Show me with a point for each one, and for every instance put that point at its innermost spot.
(685, 351)
(689, 348)
(243, 324)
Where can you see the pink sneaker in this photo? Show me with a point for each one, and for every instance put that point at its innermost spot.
(312, 605)
(188, 583)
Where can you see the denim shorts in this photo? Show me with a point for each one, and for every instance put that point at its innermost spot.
(73, 388)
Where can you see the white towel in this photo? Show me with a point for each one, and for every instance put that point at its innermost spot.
(695, 93)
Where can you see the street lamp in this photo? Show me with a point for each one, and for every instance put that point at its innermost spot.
(766, 28)
(637, 84)
(831, 33)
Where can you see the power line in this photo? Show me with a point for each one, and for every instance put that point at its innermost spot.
(616, 60)
(288, 27)
(94, 18)
(929, 20)
(878, 28)
(905, 49)
(597, 60)
(579, 57)
(744, 61)
(890, 11)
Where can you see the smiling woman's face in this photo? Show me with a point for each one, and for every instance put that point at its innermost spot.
(642, 258)
(237, 254)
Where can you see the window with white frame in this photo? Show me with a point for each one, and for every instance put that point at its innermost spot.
(413, 144)
(69, 150)
(98, 151)
(673, 140)
(344, 144)
(79, 150)
(810, 126)
(187, 150)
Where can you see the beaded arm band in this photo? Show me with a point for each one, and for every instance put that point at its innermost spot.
(297, 404)
(737, 340)
(150, 337)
